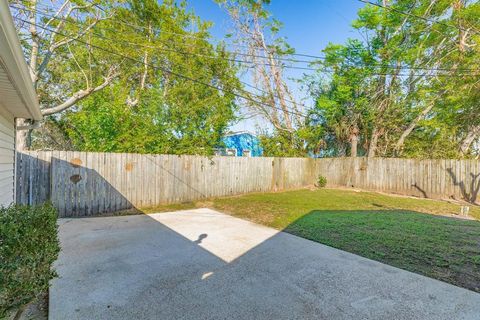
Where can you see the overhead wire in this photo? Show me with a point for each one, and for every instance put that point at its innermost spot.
(163, 49)
(395, 67)
(176, 74)
(252, 63)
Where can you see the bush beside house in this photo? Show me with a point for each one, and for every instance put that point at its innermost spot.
(28, 247)
(28, 235)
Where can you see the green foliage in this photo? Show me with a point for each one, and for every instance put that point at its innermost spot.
(432, 140)
(171, 113)
(343, 107)
(396, 93)
(406, 89)
(283, 144)
(321, 182)
(28, 247)
(105, 124)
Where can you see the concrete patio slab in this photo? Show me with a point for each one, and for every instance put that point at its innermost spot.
(202, 264)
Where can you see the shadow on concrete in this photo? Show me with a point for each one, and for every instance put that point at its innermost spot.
(422, 243)
(208, 266)
(200, 238)
(200, 264)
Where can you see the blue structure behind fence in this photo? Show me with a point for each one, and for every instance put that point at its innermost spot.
(242, 144)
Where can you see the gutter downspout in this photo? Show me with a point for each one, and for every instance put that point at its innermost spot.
(31, 126)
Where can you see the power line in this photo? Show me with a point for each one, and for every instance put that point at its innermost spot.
(316, 57)
(251, 63)
(179, 75)
(243, 82)
(179, 34)
(283, 59)
(45, 14)
(142, 28)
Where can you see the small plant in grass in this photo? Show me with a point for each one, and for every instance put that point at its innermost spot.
(28, 247)
(321, 182)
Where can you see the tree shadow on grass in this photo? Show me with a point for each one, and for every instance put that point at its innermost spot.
(435, 246)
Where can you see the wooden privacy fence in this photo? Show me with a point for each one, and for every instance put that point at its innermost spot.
(83, 184)
(440, 179)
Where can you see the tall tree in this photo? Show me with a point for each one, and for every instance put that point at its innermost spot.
(175, 93)
(342, 100)
(419, 77)
(257, 41)
(51, 35)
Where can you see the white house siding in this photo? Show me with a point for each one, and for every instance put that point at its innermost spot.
(18, 99)
(7, 157)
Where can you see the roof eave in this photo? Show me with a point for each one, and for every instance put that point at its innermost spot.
(15, 65)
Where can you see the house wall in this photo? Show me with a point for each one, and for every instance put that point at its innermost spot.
(7, 157)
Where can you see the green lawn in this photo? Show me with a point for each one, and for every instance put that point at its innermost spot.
(407, 233)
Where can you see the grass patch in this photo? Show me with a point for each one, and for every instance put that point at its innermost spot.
(412, 234)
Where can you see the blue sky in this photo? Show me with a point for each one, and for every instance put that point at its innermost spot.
(308, 25)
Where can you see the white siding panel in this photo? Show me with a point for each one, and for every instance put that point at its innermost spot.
(7, 158)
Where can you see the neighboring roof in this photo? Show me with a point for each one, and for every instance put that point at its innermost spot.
(16, 89)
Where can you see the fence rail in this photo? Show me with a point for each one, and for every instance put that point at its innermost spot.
(88, 183)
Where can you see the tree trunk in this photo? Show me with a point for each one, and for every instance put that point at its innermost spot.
(275, 71)
(35, 43)
(354, 135)
(472, 134)
(372, 148)
(409, 129)
(458, 6)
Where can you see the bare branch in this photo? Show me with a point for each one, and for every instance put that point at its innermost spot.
(472, 134)
(81, 94)
(35, 43)
(55, 16)
(55, 45)
(65, 41)
(411, 126)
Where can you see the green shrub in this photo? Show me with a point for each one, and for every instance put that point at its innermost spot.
(321, 182)
(28, 247)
